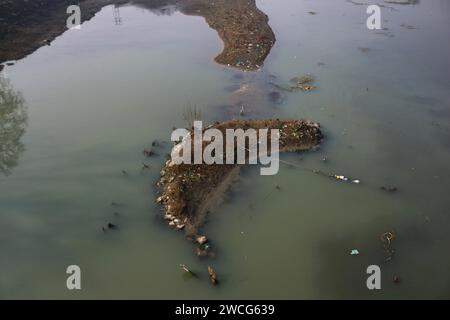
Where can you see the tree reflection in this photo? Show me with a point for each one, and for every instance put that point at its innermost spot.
(13, 123)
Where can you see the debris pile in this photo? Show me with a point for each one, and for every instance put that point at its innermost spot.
(243, 28)
(212, 276)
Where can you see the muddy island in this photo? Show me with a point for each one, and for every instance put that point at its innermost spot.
(243, 28)
(188, 192)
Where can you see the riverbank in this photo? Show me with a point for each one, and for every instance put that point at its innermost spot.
(26, 26)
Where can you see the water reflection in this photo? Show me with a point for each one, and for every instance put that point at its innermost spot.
(161, 9)
(13, 123)
(243, 28)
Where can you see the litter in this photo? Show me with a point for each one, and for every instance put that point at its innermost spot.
(212, 276)
(201, 240)
(187, 270)
(387, 238)
(341, 178)
(354, 252)
(345, 179)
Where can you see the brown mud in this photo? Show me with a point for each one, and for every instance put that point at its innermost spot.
(26, 26)
(188, 192)
(243, 28)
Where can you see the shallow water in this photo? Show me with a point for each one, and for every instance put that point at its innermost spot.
(98, 96)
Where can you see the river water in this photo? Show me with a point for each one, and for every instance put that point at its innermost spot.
(97, 97)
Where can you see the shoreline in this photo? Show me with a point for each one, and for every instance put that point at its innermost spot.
(242, 27)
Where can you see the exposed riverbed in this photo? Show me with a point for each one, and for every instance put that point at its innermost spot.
(97, 97)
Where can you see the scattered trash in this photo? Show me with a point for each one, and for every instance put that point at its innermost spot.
(241, 113)
(161, 200)
(201, 240)
(396, 279)
(387, 238)
(145, 166)
(180, 226)
(345, 179)
(212, 276)
(354, 252)
(187, 270)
